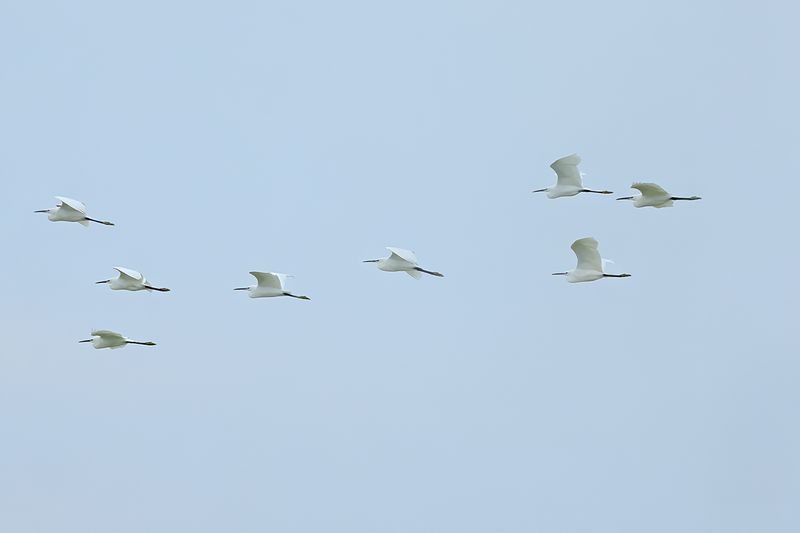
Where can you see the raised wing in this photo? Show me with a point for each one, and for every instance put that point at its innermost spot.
(405, 255)
(270, 280)
(128, 273)
(567, 171)
(69, 203)
(649, 189)
(106, 333)
(588, 256)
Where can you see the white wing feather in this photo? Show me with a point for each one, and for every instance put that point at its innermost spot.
(567, 171)
(106, 333)
(270, 280)
(69, 203)
(405, 255)
(587, 254)
(128, 273)
(650, 189)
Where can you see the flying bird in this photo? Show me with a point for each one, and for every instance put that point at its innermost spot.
(270, 284)
(590, 265)
(111, 339)
(130, 280)
(70, 210)
(402, 261)
(569, 182)
(654, 196)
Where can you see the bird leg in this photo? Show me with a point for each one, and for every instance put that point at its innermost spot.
(160, 289)
(437, 274)
(296, 296)
(104, 222)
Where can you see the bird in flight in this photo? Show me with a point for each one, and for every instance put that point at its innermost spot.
(569, 179)
(103, 338)
(69, 210)
(401, 260)
(654, 196)
(590, 265)
(270, 284)
(130, 280)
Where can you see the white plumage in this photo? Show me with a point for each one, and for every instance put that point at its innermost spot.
(402, 260)
(590, 264)
(69, 210)
(569, 180)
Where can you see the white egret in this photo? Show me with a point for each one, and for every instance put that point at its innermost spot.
(270, 284)
(70, 210)
(130, 280)
(402, 261)
(590, 265)
(654, 196)
(111, 339)
(569, 182)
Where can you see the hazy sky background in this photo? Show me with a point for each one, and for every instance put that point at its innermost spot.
(303, 137)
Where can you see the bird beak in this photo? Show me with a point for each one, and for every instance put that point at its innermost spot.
(559, 274)
(540, 190)
(626, 198)
(241, 288)
(104, 281)
(371, 261)
(42, 211)
(87, 340)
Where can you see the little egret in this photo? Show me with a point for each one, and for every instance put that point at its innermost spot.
(111, 339)
(590, 265)
(654, 196)
(130, 280)
(70, 210)
(569, 182)
(402, 261)
(270, 284)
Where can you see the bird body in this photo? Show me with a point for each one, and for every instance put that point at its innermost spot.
(103, 338)
(130, 280)
(401, 260)
(590, 264)
(653, 195)
(569, 178)
(270, 285)
(70, 210)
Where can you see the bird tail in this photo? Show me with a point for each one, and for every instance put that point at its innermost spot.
(414, 274)
(84, 223)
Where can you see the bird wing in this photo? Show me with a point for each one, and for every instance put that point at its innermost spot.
(128, 273)
(106, 333)
(75, 205)
(270, 280)
(588, 256)
(567, 171)
(649, 189)
(405, 255)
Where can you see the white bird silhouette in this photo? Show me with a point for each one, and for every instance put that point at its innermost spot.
(654, 196)
(70, 210)
(104, 338)
(590, 265)
(401, 260)
(569, 182)
(130, 280)
(270, 284)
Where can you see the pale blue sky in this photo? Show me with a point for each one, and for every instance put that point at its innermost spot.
(303, 137)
